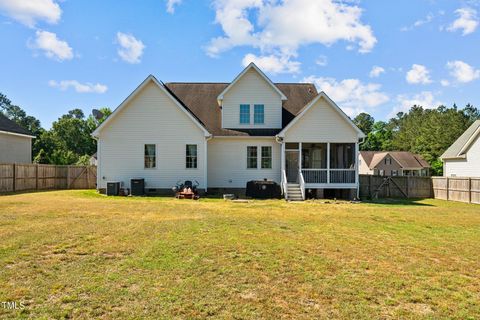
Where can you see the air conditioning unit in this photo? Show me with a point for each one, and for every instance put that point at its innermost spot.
(113, 188)
(138, 187)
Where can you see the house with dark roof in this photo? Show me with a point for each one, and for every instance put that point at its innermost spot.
(462, 159)
(15, 142)
(224, 135)
(393, 163)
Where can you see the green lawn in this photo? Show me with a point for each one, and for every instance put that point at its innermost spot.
(76, 254)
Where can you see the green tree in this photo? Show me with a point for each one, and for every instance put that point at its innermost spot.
(364, 122)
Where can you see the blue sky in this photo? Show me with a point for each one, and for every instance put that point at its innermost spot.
(375, 56)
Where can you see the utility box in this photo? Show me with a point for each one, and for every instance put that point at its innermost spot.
(137, 187)
(113, 188)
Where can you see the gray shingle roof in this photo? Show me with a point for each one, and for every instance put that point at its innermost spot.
(405, 159)
(457, 146)
(11, 126)
(201, 100)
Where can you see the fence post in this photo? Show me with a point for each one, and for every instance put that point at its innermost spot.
(68, 177)
(88, 177)
(14, 184)
(469, 190)
(448, 189)
(370, 186)
(36, 177)
(408, 187)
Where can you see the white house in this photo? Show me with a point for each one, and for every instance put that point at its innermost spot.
(462, 159)
(226, 134)
(15, 142)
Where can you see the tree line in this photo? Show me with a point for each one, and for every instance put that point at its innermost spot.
(428, 132)
(67, 142)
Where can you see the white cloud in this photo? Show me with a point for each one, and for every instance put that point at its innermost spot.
(52, 47)
(420, 22)
(171, 5)
(467, 21)
(426, 99)
(29, 12)
(418, 74)
(284, 26)
(376, 72)
(322, 61)
(78, 87)
(273, 63)
(444, 83)
(462, 72)
(131, 49)
(352, 95)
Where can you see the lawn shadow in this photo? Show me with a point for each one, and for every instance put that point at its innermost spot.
(400, 202)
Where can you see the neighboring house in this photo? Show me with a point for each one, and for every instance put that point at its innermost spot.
(93, 160)
(393, 163)
(226, 134)
(462, 159)
(15, 142)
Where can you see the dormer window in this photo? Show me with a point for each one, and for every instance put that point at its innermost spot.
(244, 114)
(259, 114)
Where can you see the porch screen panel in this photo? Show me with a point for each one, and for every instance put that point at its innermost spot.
(342, 155)
(314, 155)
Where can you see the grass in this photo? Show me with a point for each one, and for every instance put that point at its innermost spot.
(76, 254)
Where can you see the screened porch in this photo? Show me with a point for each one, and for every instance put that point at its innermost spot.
(321, 165)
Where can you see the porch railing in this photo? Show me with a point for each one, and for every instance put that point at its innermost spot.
(315, 175)
(337, 176)
(284, 184)
(302, 183)
(342, 176)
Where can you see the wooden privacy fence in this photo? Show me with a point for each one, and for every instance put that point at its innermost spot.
(28, 177)
(395, 187)
(457, 189)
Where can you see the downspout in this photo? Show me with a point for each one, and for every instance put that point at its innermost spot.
(205, 170)
(361, 140)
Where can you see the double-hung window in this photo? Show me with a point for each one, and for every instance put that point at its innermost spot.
(244, 114)
(259, 114)
(266, 157)
(150, 156)
(191, 156)
(252, 158)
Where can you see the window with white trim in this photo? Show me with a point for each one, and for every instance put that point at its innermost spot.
(259, 114)
(244, 114)
(266, 157)
(191, 156)
(252, 158)
(150, 156)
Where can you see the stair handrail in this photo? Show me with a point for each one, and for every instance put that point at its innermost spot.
(302, 183)
(284, 184)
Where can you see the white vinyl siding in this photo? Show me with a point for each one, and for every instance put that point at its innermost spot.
(150, 118)
(469, 167)
(227, 162)
(252, 89)
(321, 123)
(15, 149)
